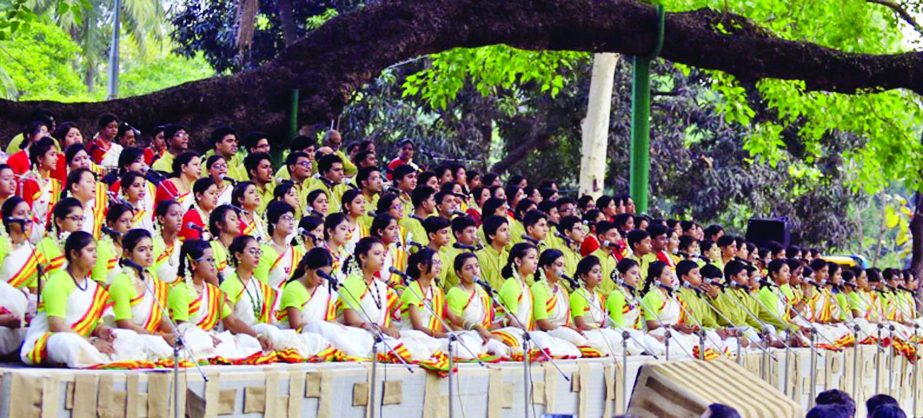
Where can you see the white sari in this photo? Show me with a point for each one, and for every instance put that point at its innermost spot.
(378, 301)
(166, 260)
(606, 340)
(147, 312)
(318, 315)
(476, 311)
(681, 344)
(257, 296)
(541, 340)
(12, 301)
(73, 349)
(200, 331)
(638, 341)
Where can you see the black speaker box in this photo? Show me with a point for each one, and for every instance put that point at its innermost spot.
(762, 231)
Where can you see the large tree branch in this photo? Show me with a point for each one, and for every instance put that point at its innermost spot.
(350, 50)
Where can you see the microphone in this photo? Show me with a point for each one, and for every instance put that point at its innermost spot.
(531, 240)
(483, 284)
(228, 179)
(330, 279)
(571, 280)
(608, 244)
(405, 276)
(111, 231)
(459, 213)
(119, 199)
(9, 220)
(192, 225)
(566, 239)
(415, 244)
(465, 247)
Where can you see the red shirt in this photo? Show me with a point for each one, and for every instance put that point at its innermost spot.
(395, 163)
(474, 214)
(98, 150)
(590, 244)
(192, 216)
(19, 162)
(166, 190)
(665, 258)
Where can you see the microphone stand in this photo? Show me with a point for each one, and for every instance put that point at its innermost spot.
(177, 345)
(625, 336)
(666, 328)
(916, 349)
(702, 333)
(813, 341)
(787, 345)
(378, 338)
(891, 360)
(737, 330)
(453, 338)
(750, 313)
(525, 347)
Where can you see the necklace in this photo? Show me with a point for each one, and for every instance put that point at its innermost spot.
(255, 302)
(376, 297)
(86, 284)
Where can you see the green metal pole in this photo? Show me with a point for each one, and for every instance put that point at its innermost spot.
(641, 119)
(278, 151)
(640, 131)
(293, 116)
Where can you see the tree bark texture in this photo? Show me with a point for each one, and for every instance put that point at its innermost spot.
(335, 60)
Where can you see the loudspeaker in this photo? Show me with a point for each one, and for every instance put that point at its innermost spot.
(685, 388)
(761, 231)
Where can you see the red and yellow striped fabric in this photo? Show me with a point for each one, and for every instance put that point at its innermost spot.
(214, 301)
(86, 324)
(39, 351)
(25, 273)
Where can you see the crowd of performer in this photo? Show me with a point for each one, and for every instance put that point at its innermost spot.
(107, 243)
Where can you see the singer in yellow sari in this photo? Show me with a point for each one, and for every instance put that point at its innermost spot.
(255, 303)
(588, 309)
(519, 306)
(198, 305)
(385, 228)
(167, 243)
(369, 304)
(662, 309)
(109, 247)
(139, 299)
(354, 208)
(67, 217)
(279, 255)
(246, 197)
(37, 187)
(68, 328)
(309, 306)
(224, 226)
(139, 193)
(82, 184)
(423, 307)
(624, 307)
(551, 303)
(472, 308)
(19, 267)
